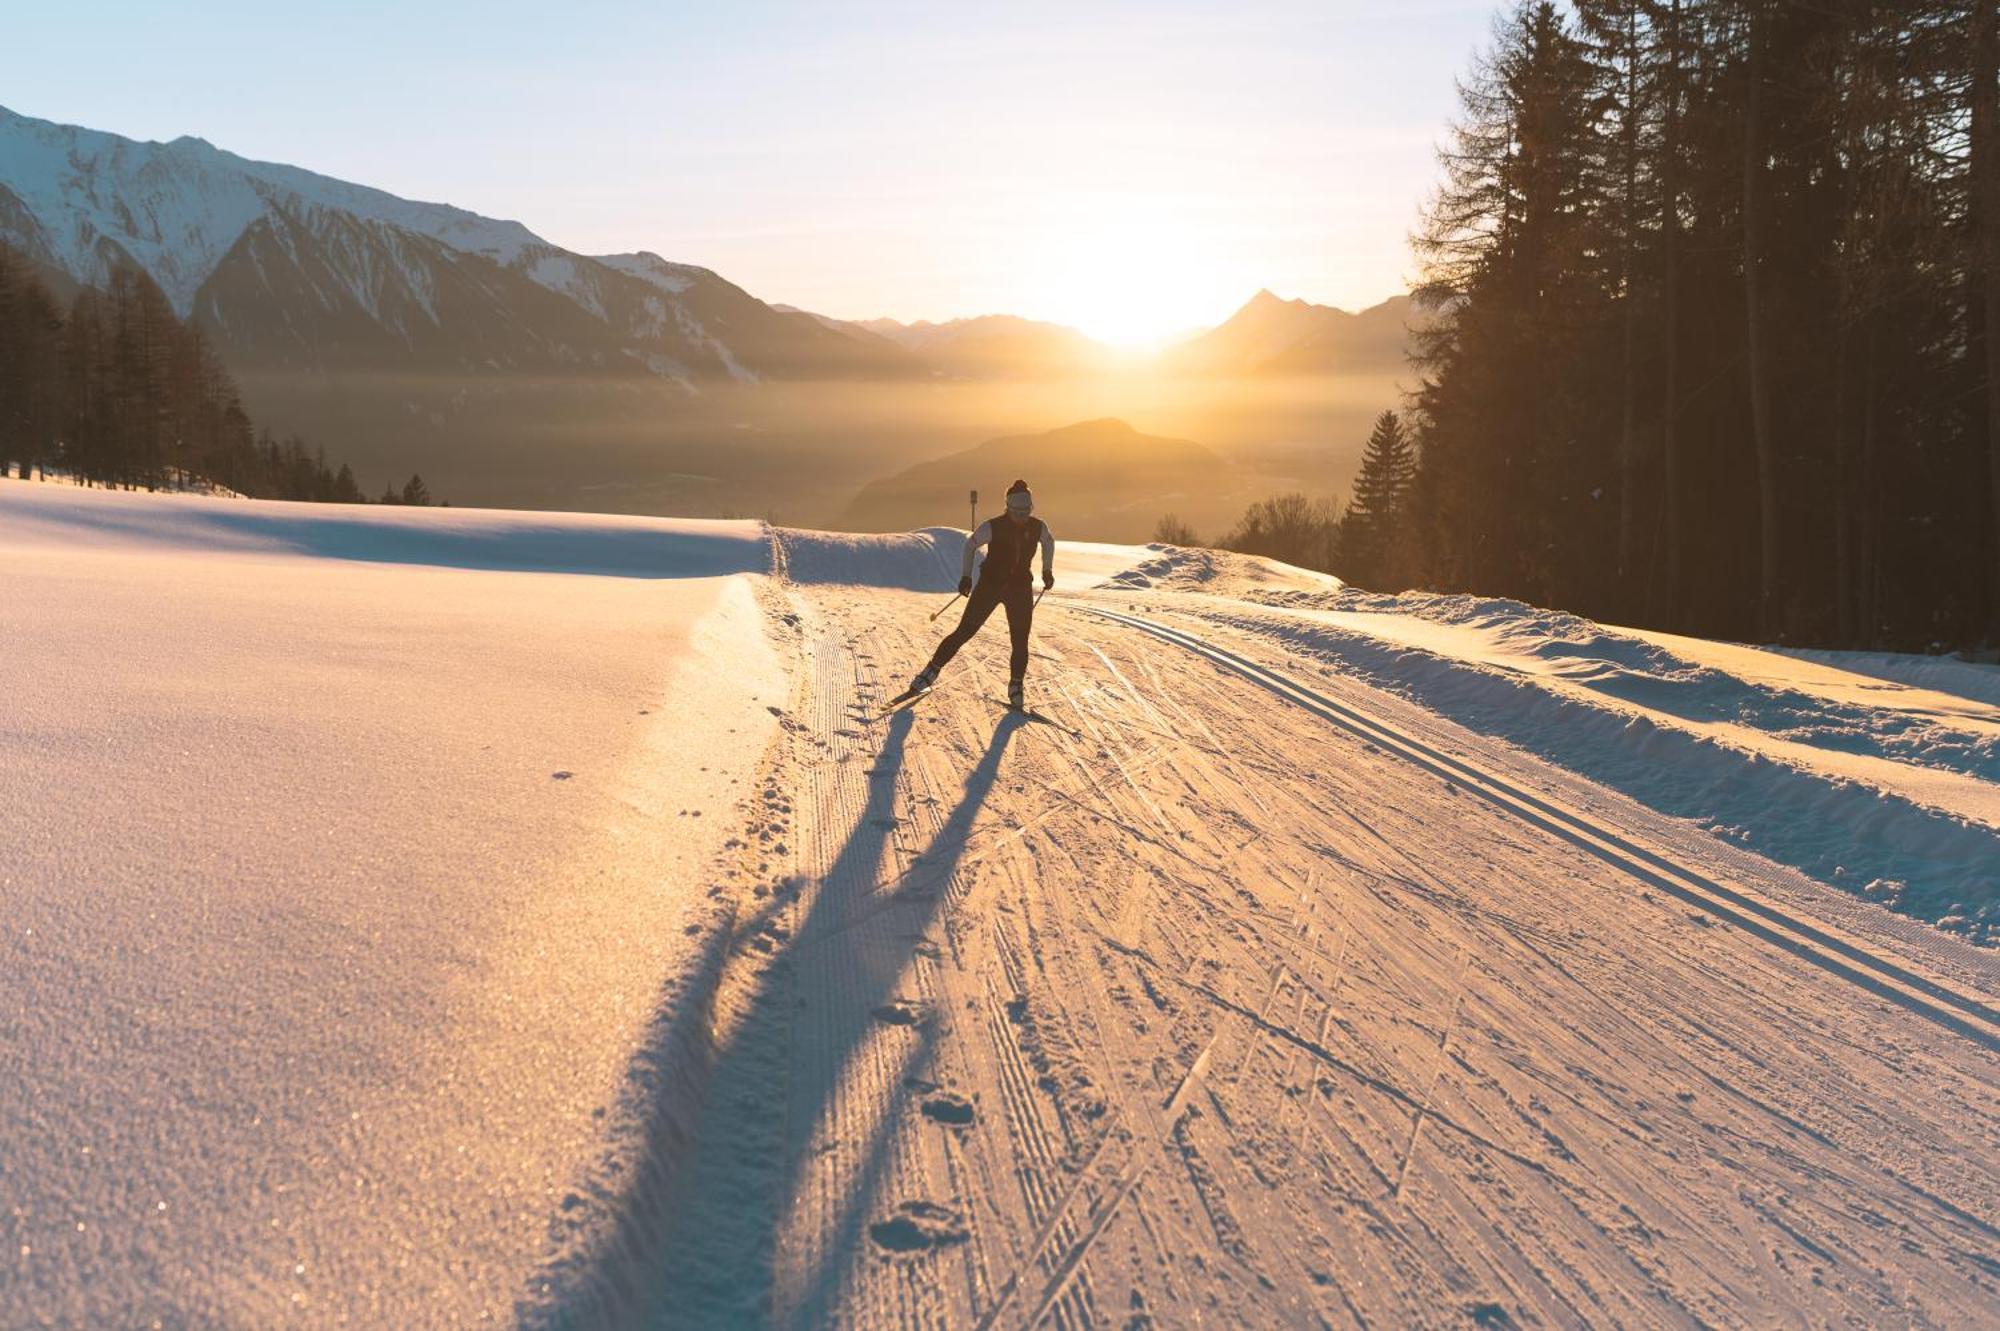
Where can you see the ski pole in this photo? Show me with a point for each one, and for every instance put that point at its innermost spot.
(946, 606)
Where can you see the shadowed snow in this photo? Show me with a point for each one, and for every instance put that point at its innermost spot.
(497, 540)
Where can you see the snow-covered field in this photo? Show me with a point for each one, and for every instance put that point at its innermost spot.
(416, 917)
(349, 855)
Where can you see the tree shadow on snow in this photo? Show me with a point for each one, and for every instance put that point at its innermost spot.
(437, 538)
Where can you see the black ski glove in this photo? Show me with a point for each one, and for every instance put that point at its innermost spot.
(965, 586)
(1048, 579)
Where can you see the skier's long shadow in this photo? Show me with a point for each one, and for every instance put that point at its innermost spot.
(927, 885)
(754, 1151)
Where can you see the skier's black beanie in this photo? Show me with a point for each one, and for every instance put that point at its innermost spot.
(1017, 487)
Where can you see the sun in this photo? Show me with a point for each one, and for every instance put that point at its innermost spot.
(1122, 275)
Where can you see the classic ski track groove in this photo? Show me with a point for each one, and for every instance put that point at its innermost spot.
(1973, 1018)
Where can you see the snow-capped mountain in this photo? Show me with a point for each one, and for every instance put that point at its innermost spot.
(290, 269)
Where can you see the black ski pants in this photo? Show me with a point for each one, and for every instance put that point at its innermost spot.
(1018, 595)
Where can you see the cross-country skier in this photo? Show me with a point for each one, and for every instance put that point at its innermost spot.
(1003, 580)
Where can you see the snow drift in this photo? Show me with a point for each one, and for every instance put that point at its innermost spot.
(1884, 790)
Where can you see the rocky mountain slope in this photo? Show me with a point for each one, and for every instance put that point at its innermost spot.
(292, 270)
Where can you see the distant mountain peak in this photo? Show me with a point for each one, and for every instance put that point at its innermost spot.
(1266, 298)
(1270, 334)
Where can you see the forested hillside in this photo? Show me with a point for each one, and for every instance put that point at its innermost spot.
(117, 390)
(1715, 286)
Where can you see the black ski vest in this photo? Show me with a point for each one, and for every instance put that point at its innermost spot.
(1010, 555)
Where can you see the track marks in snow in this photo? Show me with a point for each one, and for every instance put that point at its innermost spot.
(1969, 1014)
(1276, 1029)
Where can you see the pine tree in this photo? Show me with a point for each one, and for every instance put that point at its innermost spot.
(30, 368)
(1374, 534)
(1513, 268)
(1983, 98)
(415, 491)
(1623, 45)
(345, 488)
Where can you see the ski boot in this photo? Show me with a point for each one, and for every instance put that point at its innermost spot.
(919, 687)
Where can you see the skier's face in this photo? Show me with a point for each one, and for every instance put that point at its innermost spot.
(1018, 518)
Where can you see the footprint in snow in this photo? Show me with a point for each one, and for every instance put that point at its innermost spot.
(561, 776)
(899, 1012)
(919, 1227)
(954, 1111)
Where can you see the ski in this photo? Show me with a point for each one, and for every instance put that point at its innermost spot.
(902, 700)
(1030, 714)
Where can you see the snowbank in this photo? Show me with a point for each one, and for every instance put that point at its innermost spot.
(1159, 567)
(1972, 680)
(1883, 790)
(928, 561)
(920, 561)
(493, 540)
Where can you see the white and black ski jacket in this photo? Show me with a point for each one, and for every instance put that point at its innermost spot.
(1010, 549)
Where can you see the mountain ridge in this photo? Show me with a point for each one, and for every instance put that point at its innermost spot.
(1271, 335)
(291, 268)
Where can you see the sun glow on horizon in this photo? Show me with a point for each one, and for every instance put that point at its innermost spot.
(1135, 274)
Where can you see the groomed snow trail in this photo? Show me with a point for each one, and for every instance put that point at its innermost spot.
(1185, 1004)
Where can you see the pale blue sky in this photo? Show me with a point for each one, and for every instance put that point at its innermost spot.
(1132, 168)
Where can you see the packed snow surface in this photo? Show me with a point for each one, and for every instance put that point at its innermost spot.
(420, 917)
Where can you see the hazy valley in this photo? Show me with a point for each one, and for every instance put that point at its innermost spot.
(405, 336)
